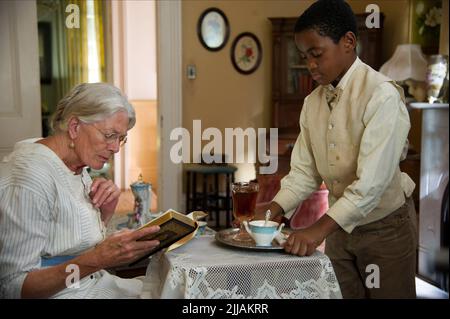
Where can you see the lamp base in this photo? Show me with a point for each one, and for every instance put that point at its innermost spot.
(418, 89)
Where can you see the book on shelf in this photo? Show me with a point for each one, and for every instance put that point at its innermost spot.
(176, 229)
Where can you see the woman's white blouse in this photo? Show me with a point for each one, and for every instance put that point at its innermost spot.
(45, 211)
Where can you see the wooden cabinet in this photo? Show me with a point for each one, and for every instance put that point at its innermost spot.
(288, 76)
(291, 81)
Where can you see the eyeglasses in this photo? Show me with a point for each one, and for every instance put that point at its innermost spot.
(113, 137)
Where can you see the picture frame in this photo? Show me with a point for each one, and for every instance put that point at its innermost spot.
(45, 52)
(425, 25)
(213, 29)
(246, 53)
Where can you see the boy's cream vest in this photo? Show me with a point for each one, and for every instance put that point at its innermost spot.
(339, 170)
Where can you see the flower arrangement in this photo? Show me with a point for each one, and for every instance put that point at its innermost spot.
(426, 24)
(430, 20)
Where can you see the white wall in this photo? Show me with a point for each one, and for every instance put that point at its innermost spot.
(140, 49)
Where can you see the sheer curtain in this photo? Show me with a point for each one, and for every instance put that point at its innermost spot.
(74, 69)
(79, 54)
(84, 46)
(99, 37)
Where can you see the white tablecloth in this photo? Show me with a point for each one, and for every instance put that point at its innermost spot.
(205, 269)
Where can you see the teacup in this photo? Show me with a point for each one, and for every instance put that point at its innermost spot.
(263, 233)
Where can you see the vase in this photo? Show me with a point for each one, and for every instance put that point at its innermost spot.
(142, 197)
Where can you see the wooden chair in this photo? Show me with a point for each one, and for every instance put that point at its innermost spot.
(306, 214)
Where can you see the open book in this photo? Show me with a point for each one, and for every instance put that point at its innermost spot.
(176, 229)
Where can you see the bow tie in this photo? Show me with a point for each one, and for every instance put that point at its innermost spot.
(332, 94)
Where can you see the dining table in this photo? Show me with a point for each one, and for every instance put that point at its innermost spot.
(207, 268)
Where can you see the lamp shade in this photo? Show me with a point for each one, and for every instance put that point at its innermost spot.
(408, 62)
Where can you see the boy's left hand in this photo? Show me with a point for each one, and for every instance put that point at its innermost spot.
(304, 242)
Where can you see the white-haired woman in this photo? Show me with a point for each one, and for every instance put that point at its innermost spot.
(53, 216)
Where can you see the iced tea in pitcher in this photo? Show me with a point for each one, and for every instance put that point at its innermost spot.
(244, 202)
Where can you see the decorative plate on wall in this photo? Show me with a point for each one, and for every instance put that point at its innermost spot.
(246, 53)
(213, 29)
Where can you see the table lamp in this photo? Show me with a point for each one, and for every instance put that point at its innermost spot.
(408, 65)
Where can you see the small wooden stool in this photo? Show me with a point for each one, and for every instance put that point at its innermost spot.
(209, 200)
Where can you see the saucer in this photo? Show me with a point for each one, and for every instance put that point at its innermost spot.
(225, 237)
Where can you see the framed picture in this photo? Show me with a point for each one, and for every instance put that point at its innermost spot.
(45, 52)
(246, 53)
(425, 24)
(213, 29)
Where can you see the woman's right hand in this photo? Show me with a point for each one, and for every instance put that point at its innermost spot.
(124, 247)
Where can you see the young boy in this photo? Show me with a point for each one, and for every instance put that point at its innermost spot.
(354, 129)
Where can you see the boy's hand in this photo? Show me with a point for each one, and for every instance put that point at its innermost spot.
(260, 214)
(303, 242)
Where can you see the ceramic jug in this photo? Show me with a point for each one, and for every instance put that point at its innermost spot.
(142, 200)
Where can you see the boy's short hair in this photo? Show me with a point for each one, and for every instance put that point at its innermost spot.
(330, 18)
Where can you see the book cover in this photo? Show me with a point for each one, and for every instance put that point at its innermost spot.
(175, 230)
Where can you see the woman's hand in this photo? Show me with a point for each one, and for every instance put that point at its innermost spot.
(118, 249)
(105, 196)
(124, 247)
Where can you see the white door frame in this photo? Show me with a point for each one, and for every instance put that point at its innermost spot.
(169, 90)
(118, 58)
(169, 54)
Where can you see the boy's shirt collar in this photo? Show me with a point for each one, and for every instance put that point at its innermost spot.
(343, 82)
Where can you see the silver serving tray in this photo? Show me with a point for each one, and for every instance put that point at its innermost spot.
(225, 237)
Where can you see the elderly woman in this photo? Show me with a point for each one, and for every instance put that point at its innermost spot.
(53, 216)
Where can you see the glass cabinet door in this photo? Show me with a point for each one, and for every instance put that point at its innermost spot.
(298, 80)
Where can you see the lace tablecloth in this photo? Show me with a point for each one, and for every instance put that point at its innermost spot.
(205, 269)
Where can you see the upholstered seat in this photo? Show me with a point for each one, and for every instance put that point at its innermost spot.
(306, 214)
